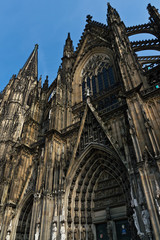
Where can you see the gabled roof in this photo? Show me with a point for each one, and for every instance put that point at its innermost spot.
(92, 27)
(94, 35)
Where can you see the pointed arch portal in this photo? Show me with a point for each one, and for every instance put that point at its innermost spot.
(24, 222)
(99, 195)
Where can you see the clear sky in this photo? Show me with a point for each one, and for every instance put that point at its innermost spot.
(23, 23)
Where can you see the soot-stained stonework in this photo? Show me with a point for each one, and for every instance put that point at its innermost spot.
(80, 159)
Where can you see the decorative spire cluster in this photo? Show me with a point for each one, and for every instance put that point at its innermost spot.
(112, 14)
(68, 48)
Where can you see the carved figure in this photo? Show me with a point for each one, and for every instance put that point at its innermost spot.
(10, 226)
(62, 231)
(90, 234)
(83, 233)
(76, 234)
(136, 223)
(37, 232)
(8, 235)
(146, 220)
(69, 234)
(54, 231)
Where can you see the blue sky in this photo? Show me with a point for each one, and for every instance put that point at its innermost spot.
(25, 23)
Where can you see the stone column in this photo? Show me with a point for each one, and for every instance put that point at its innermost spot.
(149, 200)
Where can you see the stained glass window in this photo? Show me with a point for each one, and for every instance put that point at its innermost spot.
(104, 80)
(100, 82)
(94, 85)
(113, 99)
(105, 77)
(111, 76)
(100, 105)
(88, 83)
(107, 102)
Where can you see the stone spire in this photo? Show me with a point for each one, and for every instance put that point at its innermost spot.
(112, 14)
(30, 68)
(153, 12)
(68, 47)
(154, 18)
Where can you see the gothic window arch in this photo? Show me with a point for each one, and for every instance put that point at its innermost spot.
(98, 75)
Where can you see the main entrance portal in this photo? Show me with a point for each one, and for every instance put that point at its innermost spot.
(99, 197)
(119, 232)
(110, 213)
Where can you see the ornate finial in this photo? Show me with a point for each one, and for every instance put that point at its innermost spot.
(109, 6)
(89, 19)
(68, 47)
(69, 36)
(36, 46)
(45, 84)
(60, 68)
(14, 76)
(40, 79)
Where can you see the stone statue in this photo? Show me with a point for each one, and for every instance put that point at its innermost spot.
(8, 235)
(54, 231)
(10, 226)
(83, 233)
(63, 235)
(90, 234)
(37, 232)
(136, 223)
(146, 220)
(69, 234)
(76, 234)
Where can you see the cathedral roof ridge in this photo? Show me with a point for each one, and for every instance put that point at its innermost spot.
(90, 23)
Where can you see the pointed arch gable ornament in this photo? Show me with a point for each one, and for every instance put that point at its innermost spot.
(113, 143)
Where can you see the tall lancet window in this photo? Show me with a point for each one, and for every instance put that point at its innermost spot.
(98, 75)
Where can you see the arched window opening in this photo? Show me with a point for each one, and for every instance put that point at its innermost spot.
(100, 82)
(88, 83)
(94, 88)
(105, 77)
(111, 76)
(104, 80)
(99, 77)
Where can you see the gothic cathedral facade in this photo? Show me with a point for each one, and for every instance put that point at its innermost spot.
(80, 159)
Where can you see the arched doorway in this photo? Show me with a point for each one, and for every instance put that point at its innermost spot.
(23, 227)
(99, 196)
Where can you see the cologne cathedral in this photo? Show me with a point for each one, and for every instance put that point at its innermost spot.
(80, 159)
